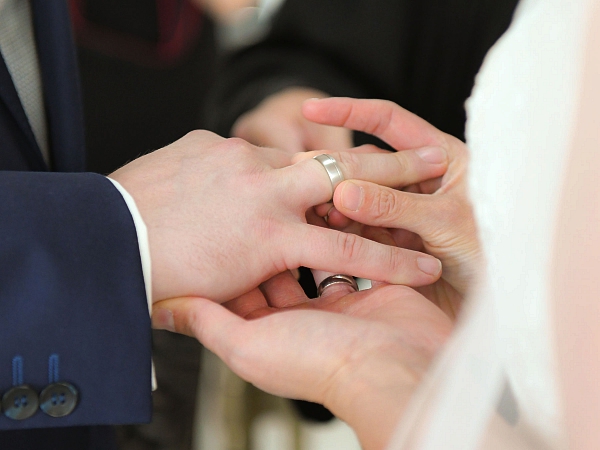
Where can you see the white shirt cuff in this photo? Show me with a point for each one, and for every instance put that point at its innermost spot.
(144, 246)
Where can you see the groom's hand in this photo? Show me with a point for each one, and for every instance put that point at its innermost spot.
(224, 216)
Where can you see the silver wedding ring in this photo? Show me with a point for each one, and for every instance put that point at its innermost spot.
(332, 169)
(337, 279)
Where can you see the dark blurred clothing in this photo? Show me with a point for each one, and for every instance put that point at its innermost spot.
(132, 107)
(422, 55)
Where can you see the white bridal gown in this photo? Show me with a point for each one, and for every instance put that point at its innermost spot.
(520, 122)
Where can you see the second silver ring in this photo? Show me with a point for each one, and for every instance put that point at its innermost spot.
(339, 278)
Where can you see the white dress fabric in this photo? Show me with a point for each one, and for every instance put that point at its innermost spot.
(521, 117)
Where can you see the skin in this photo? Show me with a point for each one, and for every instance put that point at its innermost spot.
(278, 122)
(363, 362)
(223, 10)
(440, 223)
(207, 201)
(294, 120)
(378, 348)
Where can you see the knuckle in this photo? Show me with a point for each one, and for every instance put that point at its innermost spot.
(400, 162)
(194, 134)
(199, 134)
(386, 205)
(236, 143)
(238, 147)
(350, 245)
(397, 258)
(351, 165)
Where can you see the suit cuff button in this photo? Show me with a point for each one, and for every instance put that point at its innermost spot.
(59, 399)
(20, 402)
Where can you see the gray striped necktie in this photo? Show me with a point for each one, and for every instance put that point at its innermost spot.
(17, 45)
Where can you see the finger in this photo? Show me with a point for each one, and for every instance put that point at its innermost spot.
(248, 347)
(309, 180)
(333, 218)
(313, 219)
(334, 251)
(210, 323)
(323, 209)
(319, 136)
(380, 206)
(333, 291)
(338, 221)
(377, 234)
(394, 125)
(275, 157)
(261, 130)
(306, 183)
(217, 328)
(246, 304)
(283, 291)
(394, 169)
(364, 149)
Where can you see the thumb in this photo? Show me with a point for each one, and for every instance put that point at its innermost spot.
(212, 324)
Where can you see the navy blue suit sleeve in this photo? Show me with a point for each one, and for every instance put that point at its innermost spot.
(71, 285)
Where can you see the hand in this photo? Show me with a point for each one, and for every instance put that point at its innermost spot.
(223, 10)
(443, 220)
(278, 122)
(363, 364)
(224, 216)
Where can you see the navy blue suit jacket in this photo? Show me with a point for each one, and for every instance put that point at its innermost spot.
(71, 281)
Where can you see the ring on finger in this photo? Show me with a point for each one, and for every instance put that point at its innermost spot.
(333, 170)
(337, 279)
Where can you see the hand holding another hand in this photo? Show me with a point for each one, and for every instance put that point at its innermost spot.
(224, 216)
(441, 224)
(363, 362)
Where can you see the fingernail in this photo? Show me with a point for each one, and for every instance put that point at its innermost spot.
(162, 319)
(352, 196)
(433, 155)
(430, 266)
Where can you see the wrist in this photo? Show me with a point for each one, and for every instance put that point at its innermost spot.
(126, 177)
(142, 236)
(371, 393)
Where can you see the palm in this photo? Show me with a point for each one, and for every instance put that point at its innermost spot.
(372, 346)
(401, 308)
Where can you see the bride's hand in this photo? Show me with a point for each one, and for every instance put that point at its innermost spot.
(363, 364)
(441, 224)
